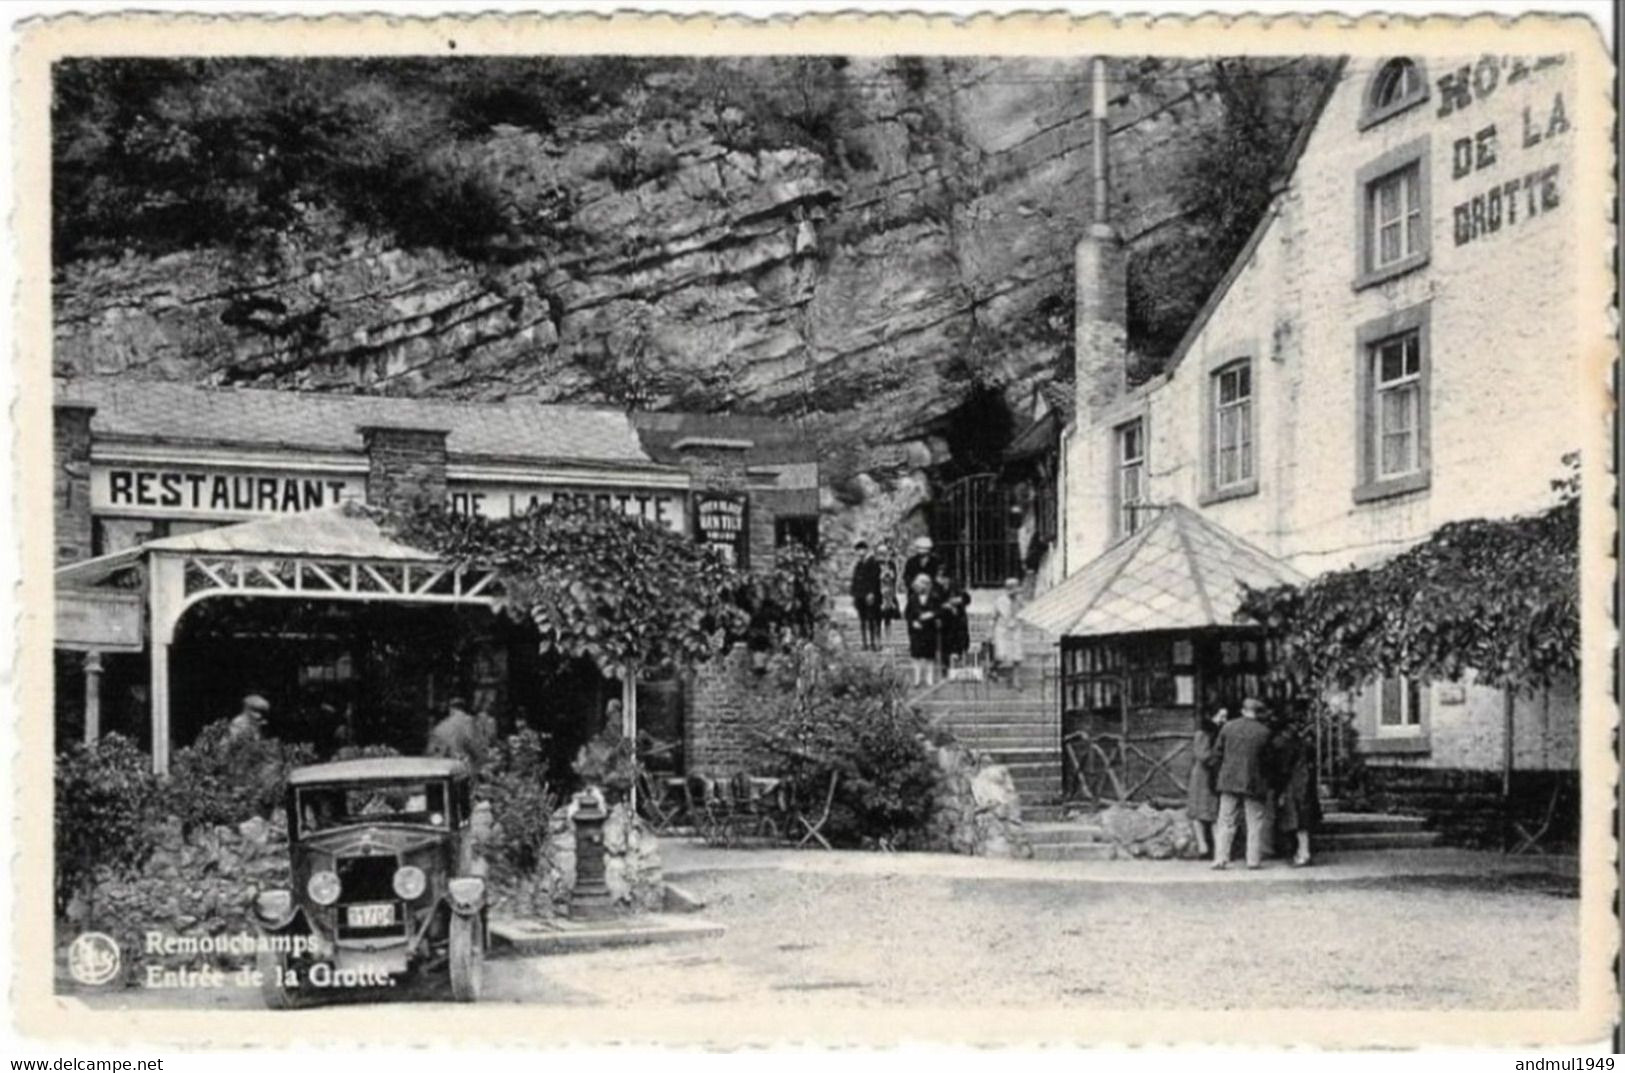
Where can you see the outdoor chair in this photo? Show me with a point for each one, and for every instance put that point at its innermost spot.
(750, 808)
(706, 808)
(661, 801)
(812, 819)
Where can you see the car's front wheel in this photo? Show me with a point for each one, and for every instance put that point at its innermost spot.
(467, 957)
(276, 987)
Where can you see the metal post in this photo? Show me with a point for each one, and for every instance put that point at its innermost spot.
(93, 696)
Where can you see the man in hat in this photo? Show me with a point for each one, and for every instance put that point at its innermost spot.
(249, 724)
(866, 596)
(1242, 782)
(459, 735)
(923, 561)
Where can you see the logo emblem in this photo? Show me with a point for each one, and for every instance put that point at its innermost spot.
(93, 959)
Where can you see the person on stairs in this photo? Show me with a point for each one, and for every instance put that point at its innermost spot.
(866, 596)
(890, 607)
(1008, 646)
(923, 561)
(921, 614)
(954, 641)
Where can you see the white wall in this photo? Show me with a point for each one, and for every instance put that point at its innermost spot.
(1505, 401)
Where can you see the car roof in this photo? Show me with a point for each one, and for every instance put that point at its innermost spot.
(378, 769)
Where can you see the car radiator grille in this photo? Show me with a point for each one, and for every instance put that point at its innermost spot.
(368, 880)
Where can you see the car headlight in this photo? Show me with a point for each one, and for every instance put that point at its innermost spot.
(466, 892)
(274, 906)
(409, 882)
(323, 888)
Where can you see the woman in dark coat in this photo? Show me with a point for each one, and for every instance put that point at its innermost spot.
(955, 627)
(1299, 811)
(1201, 799)
(921, 615)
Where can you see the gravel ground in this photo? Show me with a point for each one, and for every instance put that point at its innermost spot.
(876, 941)
(815, 939)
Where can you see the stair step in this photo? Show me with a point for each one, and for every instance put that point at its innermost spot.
(1063, 833)
(1042, 812)
(1073, 851)
(1369, 823)
(1377, 840)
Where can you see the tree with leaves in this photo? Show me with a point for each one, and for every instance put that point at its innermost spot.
(596, 583)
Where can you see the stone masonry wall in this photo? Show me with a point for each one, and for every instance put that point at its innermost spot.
(406, 467)
(723, 701)
(71, 455)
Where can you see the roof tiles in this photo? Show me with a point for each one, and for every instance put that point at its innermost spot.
(1181, 571)
(518, 428)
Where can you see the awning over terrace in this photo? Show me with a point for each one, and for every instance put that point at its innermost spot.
(338, 553)
(1181, 571)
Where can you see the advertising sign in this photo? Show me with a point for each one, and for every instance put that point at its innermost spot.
(106, 621)
(722, 521)
(663, 506)
(180, 491)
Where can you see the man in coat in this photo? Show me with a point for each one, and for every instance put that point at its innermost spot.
(459, 736)
(249, 724)
(1242, 781)
(866, 596)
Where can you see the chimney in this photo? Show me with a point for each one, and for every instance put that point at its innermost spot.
(1100, 273)
(71, 438)
(406, 467)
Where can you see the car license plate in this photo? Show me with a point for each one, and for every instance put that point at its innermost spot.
(372, 915)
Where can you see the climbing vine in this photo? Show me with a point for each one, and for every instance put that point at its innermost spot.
(1498, 597)
(596, 583)
(622, 591)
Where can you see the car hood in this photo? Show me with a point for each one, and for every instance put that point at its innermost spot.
(372, 840)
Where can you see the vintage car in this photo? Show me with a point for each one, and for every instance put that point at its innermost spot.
(385, 879)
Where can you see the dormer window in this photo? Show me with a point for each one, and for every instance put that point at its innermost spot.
(1395, 87)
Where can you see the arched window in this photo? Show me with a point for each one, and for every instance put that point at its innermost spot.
(1395, 86)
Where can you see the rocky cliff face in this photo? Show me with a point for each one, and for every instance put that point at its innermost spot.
(862, 287)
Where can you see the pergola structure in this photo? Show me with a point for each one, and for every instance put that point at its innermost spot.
(338, 553)
(1151, 633)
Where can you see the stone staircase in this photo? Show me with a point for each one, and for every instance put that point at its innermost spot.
(1017, 727)
(1341, 831)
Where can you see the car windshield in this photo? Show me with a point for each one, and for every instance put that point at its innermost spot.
(324, 807)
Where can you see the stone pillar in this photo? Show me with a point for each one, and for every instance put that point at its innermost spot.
(406, 467)
(1101, 343)
(93, 696)
(71, 436)
(718, 465)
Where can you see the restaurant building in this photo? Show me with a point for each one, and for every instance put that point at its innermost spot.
(203, 553)
(1396, 347)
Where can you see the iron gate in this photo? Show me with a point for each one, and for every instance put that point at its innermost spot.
(975, 531)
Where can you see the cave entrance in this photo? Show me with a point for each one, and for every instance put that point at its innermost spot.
(975, 516)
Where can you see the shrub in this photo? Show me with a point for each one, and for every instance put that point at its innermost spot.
(221, 779)
(514, 781)
(607, 761)
(106, 798)
(831, 714)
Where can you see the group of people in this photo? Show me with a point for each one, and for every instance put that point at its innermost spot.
(935, 607)
(1262, 775)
